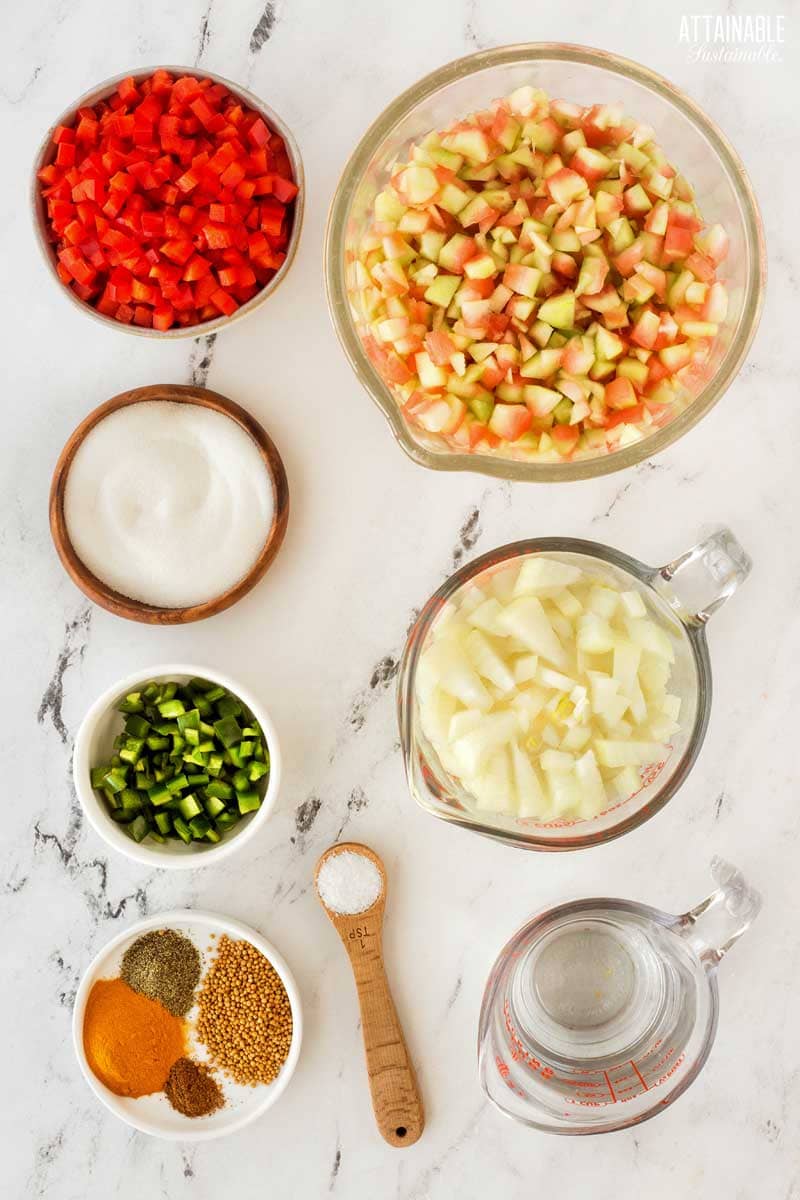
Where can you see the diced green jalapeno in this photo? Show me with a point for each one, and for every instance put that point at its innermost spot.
(213, 806)
(190, 807)
(220, 789)
(227, 820)
(228, 731)
(159, 794)
(188, 763)
(131, 751)
(248, 801)
(139, 828)
(200, 825)
(163, 823)
(182, 829)
(136, 726)
(115, 779)
(228, 706)
(189, 720)
(97, 776)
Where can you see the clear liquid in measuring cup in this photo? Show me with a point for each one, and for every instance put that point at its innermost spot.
(597, 1010)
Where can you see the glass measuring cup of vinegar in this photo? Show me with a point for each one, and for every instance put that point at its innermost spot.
(599, 1013)
(680, 597)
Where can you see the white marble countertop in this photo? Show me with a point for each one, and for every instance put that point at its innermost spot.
(370, 536)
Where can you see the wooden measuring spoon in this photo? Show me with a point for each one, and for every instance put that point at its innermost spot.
(395, 1095)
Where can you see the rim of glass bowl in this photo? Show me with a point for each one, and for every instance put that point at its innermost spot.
(406, 703)
(507, 468)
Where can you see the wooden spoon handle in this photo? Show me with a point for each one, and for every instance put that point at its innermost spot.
(395, 1095)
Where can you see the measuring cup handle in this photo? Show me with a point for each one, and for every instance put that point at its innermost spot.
(696, 583)
(713, 925)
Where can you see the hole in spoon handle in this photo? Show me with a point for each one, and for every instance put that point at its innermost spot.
(396, 1101)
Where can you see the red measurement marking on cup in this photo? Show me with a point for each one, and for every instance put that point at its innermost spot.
(518, 1051)
(641, 1077)
(504, 1071)
(591, 1088)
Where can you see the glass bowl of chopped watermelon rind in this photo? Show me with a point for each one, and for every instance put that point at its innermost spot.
(544, 262)
(155, 280)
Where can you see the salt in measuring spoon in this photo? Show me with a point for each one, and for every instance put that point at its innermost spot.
(344, 883)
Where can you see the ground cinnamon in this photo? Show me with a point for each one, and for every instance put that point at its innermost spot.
(131, 1042)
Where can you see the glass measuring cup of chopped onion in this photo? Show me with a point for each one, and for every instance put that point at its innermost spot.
(555, 692)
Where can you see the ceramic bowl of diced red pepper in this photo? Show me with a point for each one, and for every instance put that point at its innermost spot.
(168, 203)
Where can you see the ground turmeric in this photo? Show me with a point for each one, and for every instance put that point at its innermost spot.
(130, 1041)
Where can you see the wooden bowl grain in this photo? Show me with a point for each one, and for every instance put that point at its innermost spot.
(135, 610)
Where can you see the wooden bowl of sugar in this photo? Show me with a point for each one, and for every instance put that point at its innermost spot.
(168, 504)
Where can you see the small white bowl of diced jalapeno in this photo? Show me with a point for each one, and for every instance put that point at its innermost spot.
(176, 766)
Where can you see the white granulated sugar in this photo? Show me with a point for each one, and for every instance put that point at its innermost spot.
(349, 882)
(168, 503)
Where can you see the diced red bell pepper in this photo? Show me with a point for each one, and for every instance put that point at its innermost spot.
(149, 110)
(127, 91)
(272, 213)
(224, 301)
(86, 131)
(283, 189)
(217, 236)
(125, 238)
(163, 317)
(196, 268)
(74, 262)
(204, 290)
(161, 83)
(223, 158)
(235, 277)
(143, 293)
(177, 251)
(153, 224)
(66, 154)
(106, 306)
(258, 132)
(188, 181)
(120, 285)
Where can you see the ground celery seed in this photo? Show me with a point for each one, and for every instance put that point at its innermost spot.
(245, 1018)
(164, 965)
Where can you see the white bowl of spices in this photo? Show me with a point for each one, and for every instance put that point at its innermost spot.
(188, 1025)
(177, 766)
(168, 504)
